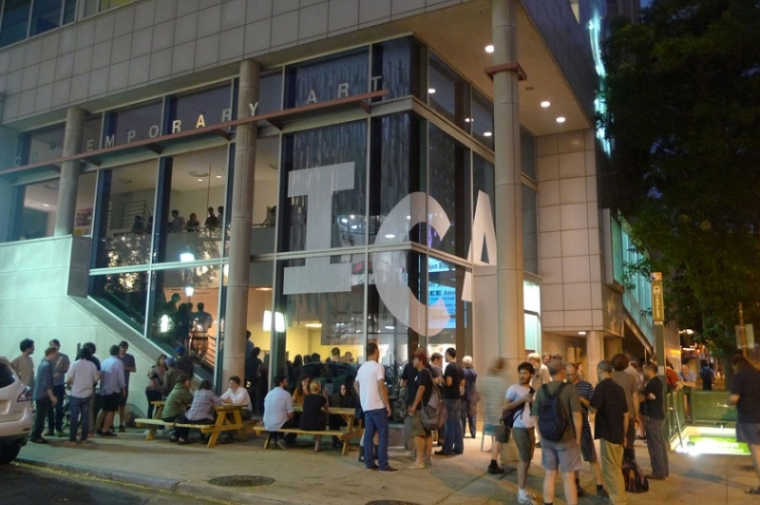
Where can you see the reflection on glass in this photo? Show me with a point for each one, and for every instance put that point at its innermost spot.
(483, 180)
(85, 203)
(200, 109)
(445, 286)
(43, 145)
(481, 121)
(392, 63)
(134, 124)
(36, 206)
(186, 311)
(397, 170)
(325, 173)
(335, 76)
(91, 137)
(15, 21)
(265, 195)
(528, 153)
(450, 187)
(530, 230)
(197, 195)
(124, 216)
(324, 331)
(447, 92)
(125, 295)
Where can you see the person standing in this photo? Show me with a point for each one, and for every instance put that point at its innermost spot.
(177, 224)
(523, 429)
(23, 364)
(563, 455)
(588, 450)
(745, 394)
(156, 377)
(44, 397)
(373, 395)
(112, 389)
(470, 398)
(493, 386)
(94, 405)
(81, 377)
(611, 424)
(627, 381)
(655, 418)
(409, 382)
(55, 415)
(423, 387)
(184, 362)
(707, 375)
(130, 367)
(202, 322)
(436, 368)
(540, 377)
(453, 386)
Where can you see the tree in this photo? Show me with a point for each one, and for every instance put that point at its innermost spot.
(683, 101)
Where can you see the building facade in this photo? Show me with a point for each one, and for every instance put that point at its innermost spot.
(319, 173)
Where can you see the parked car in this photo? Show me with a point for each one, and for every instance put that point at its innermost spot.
(15, 413)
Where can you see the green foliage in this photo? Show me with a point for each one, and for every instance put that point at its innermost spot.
(683, 96)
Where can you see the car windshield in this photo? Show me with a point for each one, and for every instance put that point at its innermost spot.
(6, 376)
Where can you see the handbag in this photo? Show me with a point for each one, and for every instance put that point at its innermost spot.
(433, 414)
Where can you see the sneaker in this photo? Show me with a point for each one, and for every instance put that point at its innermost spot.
(40, 440)
(528, 500)
(601, 493)
(495, 469)
(281, 444)
(372, 468)
(107, 434)
(122, 429)
(389, 469)
(581, 491)
(417, 467)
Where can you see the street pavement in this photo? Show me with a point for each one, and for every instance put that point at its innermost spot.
(304, 477)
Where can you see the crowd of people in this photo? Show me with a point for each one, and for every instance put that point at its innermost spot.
(177, 223)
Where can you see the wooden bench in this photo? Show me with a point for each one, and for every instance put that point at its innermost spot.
(228, 419)
(342, 435)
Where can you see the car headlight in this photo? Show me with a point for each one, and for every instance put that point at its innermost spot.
(26, 396)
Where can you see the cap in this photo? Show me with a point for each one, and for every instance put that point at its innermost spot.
(180, 349)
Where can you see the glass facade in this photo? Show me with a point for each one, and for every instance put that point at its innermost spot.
(24, 18)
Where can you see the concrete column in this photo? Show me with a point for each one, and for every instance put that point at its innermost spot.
(67, 188)
(241, 214)
(594, 354)
(508, 185)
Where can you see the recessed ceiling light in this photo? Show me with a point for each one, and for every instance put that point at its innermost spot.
(313, 325)
(431, 91)
(489, 48)
(390, 235)
(46, 205)
(581, 333)
(468, 120)
(561, 119)
(218, 176)
(200, 180)
(545, 104)
(487, 134)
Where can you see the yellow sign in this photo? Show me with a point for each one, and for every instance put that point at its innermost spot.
(658, 300)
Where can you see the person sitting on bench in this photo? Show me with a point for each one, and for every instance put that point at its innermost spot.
(314, 409)
(178, 400)
(237, 395)
(278, 413)
(201, 411)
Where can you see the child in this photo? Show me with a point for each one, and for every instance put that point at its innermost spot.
(313, 418)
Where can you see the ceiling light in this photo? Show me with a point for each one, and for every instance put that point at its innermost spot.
(469, 120)
(581, 333)
(489, 48)
(431, 91)
(390, 327)
(186, 257)
(218, 176)
(487, 134)
(189, 291)
(200, 180)
(545, 104)
(46, 205)
(313, 325)
(561, 119)
(390, 235)
(263, 289)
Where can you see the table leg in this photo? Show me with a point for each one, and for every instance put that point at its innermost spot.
(347, 437)
(238, 419)
(215, 434)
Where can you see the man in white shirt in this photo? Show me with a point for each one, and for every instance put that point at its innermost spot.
(278, 412)
(81, 378)
(373, 395)
(523, 429)
(237, 395)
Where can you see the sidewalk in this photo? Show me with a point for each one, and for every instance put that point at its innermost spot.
(304, 477)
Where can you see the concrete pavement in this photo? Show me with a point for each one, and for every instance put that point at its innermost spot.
(304, 477)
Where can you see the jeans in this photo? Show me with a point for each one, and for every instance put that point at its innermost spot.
(153, 395)
(376, 421)
(55, 414)
(658, 449)
(454, 441)
(77, 407)
(469, 415)
(43, 405)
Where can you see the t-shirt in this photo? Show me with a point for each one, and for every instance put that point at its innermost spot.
(541, 377)
(610, 405)
(369, 394)
(516, 392)
(746, 384)
(129, 362)
(585, 390)
(277, 405)
(239, 397)
(112, 376)
(707, 375)
(628, 382)
(44, 379)
(569, 402)
(654, 408)
(409, 374)
(59, 372)
(424, 378)
(83, 375)
(454, 371)
(24, 368)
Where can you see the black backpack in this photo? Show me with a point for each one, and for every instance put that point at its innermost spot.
(552, 422)
(634, 478)
(508, 416)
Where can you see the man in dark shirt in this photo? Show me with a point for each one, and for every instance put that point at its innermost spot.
(44, 397)
(707, 375)
(612, 415)
(655, 416)
(409, 381)
(185, 362)
(745, 394)
(453, 384)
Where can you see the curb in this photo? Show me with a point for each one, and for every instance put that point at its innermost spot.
(114, 475)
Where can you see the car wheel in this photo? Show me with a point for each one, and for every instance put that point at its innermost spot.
(8, 453)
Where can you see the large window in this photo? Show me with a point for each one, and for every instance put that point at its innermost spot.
(448, 93)
(199, 109)
(22, 18)
(42, 145)
(530, 230)
(94, 6)
(328, 78)
(131, 125)
(33, 210)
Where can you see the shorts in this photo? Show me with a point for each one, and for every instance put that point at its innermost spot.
(565, 456)
(123, 398)
(111, 402)
(501, 433)
(588, 450)
(525, 441)
(416, 427)
(748, 433)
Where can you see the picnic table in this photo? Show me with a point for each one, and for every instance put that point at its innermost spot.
(228, 418)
